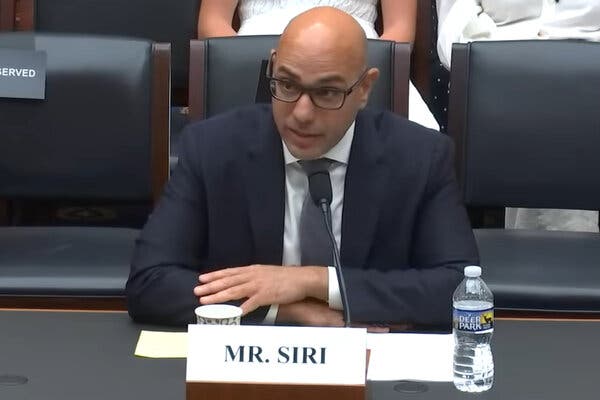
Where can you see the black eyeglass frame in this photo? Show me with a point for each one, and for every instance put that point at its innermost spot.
(308, 90)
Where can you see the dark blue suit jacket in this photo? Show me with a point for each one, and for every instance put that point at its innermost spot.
(405, 233)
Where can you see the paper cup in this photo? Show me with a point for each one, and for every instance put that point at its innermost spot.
(218, 314)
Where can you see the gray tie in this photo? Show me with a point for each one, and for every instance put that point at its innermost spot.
(315, 246)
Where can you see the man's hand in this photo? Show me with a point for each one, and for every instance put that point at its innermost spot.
(312, 312)
(262, 285)
(309, 312)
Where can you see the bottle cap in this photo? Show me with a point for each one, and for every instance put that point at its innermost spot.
(473, 271)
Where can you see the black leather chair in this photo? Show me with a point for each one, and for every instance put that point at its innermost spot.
(157, 20)
(101, 133)
(165, 21)
(526, 119)
(224, 73)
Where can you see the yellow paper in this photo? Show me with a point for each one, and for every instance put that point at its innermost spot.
(155, 344)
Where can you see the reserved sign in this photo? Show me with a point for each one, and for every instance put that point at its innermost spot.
(272, 354)
(22, 74)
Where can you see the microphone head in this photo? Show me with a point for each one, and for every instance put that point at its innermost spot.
(319, 185)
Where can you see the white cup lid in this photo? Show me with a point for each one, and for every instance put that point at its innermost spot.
(472, 271)
(218, 311)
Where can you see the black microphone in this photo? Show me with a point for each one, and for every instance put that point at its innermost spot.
(319, 185)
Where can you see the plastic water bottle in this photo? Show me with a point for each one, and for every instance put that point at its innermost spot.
(473, 326)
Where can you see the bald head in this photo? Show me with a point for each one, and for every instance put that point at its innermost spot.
(326, 30)
(320, 80)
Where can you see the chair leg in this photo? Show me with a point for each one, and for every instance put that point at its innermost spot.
(495, 217)
(3, 212)
(486, 217)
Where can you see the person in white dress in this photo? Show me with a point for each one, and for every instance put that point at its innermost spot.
(468, 20)
(461, 21)
(270, 17)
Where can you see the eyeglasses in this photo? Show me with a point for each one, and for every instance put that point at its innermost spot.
(325, 97)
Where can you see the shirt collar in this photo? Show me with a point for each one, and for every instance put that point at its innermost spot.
(340, 152)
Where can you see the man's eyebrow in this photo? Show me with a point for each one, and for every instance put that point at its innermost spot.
(283, 69)
(329, 78)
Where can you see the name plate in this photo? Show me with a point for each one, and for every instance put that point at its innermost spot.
(280, 355)
(22, 74)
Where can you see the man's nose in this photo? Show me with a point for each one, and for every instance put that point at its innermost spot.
(304, 109)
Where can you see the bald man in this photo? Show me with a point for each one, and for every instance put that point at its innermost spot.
(227, 227)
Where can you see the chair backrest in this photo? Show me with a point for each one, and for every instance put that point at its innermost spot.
(102, 131)
(526, 119)
(166, 21)
(224, 73)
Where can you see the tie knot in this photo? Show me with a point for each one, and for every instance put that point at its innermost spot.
(315, 166)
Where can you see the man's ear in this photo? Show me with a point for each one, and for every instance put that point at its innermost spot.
(366, 86)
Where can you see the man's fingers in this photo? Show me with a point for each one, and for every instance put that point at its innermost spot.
(219, 285)
(249, 306)
(232, 293)
(221, 273)
(378, 329)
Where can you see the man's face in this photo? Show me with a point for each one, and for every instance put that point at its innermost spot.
(308, 130)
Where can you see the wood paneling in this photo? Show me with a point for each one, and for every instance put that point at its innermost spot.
(401, 78)
(64, 303)
(161, 105)
(248, 391)
(546, 315)
(24, 15)
(196, 91)
(421, 56)
(7, 15)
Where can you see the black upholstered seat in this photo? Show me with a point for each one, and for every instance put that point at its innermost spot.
(541, 270)
(66, 261)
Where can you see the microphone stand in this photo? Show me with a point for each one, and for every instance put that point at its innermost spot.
(324, 206)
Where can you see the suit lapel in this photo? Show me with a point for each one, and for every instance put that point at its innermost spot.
(265, 191)
(364, 185)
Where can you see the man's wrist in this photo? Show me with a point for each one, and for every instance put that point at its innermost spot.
(316, 282)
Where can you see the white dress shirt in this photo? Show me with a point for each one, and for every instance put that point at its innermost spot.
(296, 189)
